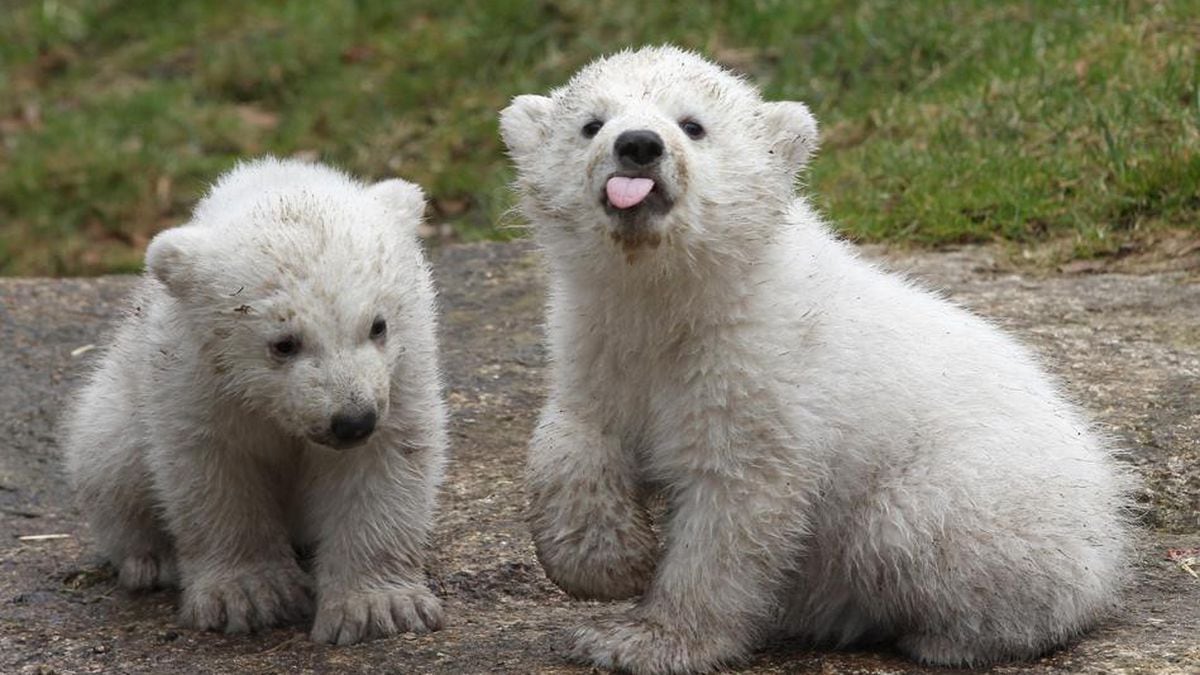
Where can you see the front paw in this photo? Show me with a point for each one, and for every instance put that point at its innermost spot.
(591, 529)
(616, 567)
(246, 599)
(355, 617)
(592, 550)
(645, 647)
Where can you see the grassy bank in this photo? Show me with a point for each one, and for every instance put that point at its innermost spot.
(1070, 124)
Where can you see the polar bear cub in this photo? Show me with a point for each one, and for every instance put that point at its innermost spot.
(844, 456)
(275, 386)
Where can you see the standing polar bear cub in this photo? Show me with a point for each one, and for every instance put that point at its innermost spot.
(275, 385)
(845, 457)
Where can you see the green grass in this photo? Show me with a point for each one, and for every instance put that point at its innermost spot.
(1068, 124)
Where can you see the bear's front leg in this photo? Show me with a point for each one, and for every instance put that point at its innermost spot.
(373, 508)
(590, 527)
(733, 535)
(236, 564)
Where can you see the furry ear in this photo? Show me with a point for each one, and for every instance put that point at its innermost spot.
(174, 256)
(791, 130)
(522, 123)
(403, 199)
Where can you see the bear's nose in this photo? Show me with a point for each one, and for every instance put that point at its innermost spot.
(353, 426)
(638, 149)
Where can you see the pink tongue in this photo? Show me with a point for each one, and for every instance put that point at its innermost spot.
(626, 192)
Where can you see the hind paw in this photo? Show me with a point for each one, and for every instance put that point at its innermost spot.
(147, 572)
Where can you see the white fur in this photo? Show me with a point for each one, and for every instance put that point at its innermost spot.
(845, 457)
(202, 458)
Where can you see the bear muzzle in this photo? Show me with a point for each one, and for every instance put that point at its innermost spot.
(636, 194)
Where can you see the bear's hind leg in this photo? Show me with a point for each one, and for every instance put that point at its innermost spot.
(994, 577)
(145, 558)
(114, 489)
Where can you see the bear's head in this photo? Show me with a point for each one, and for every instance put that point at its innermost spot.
(300, 288)
(656, 145)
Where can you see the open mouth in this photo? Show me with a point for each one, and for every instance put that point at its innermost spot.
(633, 197)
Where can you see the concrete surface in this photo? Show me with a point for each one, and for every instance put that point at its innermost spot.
(1128, 345)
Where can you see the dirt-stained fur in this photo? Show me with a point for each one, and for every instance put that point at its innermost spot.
(845, 455)
(275, 385)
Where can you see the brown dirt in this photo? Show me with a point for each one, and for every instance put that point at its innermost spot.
(1128, 345)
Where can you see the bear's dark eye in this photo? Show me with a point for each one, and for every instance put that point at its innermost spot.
(286, 347)
(592, 128)
(693, 129)
(378, 328)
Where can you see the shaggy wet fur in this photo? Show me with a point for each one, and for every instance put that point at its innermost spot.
(203, 455)
(845, 456)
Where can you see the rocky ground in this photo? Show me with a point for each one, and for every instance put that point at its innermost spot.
(1128, 345)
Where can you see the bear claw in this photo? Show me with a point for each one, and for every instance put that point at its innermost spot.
(364, 616)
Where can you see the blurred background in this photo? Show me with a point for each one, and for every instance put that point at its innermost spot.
(1065, 130)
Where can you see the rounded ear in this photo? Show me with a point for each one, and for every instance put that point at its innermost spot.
(791, 131)
(522, 123)
(402, 199)
(174, 256)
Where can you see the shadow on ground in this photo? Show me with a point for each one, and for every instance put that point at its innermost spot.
(1128, 345)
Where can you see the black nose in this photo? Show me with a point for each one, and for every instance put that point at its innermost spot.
(354, 426)
(638, 149)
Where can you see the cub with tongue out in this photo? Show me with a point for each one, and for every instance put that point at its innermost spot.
(845, 458)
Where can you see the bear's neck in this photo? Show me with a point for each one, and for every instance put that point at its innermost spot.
(669, 284)
(674, 283)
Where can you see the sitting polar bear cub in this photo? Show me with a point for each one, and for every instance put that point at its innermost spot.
(275, 385)
(845, 457)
